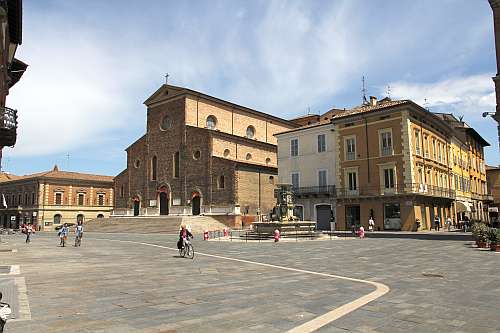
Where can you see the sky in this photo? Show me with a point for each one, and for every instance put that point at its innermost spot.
(92, 64)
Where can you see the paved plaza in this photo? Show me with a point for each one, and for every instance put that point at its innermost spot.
(137, 283)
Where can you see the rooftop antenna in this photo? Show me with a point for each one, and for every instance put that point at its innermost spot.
(166, 78)
(363, 90)
(67, 161)
(308, 110)
(388, 91)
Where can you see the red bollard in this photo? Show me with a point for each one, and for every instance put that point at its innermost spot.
(205, 235)
(276, 235)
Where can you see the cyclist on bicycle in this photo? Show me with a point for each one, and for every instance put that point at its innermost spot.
(63, 234)
(79, 230)
(183, 237)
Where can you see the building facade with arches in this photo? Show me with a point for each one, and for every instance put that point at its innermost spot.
(48, 199)
(200, 156)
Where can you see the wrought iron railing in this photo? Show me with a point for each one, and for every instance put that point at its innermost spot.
(8, 126)
(312, 190)
(377, 191)
(8, 118)
(386, 151)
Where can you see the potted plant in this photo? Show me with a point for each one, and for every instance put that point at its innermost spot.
(494, 238)
(480, 233)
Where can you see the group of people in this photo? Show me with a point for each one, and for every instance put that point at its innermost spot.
(64, 231)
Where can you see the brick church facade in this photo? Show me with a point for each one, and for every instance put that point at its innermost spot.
(200, 155)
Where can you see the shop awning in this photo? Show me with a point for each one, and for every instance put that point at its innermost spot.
(462, 206)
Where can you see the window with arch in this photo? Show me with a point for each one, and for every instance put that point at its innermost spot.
(250, 132)
(248, 157)
(271, 180)
(226, 152)
(221, 182)
(154, 166)
(268, 160)
(137, 164)
(80, 218)
(57, 219)
(211, 122)
(100, 216)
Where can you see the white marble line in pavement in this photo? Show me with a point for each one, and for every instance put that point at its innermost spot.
(318, 322)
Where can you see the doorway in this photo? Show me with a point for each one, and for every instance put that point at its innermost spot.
(163, 203)
(392, 216)
(195, 205)
(137, 205)
(352, 217)
(323, 214)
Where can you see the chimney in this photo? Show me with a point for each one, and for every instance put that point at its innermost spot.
(373, 100)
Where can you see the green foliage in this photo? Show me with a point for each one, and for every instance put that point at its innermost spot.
(480, 232)
(494, 236)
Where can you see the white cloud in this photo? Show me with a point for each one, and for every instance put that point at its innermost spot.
(469, 95)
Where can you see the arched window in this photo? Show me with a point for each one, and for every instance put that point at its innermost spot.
(57, 219)
(154, 162)
(211, 122)
(80, 218)
(226, 152)
(197, 155)
(250, 132)
(220, 182)
(100, 216)
(271, 179)
(249, 156)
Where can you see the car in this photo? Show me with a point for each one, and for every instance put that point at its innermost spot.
(67, 224)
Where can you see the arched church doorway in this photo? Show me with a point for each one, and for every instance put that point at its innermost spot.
(163, 203)
(195, 204)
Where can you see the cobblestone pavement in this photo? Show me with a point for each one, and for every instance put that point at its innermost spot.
(108, 286)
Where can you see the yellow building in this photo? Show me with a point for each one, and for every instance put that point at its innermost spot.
(396, 162)
(48, 199)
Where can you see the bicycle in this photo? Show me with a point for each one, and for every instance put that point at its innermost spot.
(78, 240)
(187, 250)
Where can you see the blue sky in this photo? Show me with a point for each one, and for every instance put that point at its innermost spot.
(93, 63)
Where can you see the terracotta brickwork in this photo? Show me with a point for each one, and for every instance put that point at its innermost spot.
(39, 198)
(194, 162)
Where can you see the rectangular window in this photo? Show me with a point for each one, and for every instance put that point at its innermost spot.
(322, 182)
(294, 147)
(321, 143)
(426, 146)
(386, 143)
(295, 180)
(100, 199)
(352, 181)
(33, 198)
(81, 198)
(177, 166)
(389, 178)
(434, 150)
(58, 198)
(417, 142)
(350, 148)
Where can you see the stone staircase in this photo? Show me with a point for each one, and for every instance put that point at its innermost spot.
(153, 224)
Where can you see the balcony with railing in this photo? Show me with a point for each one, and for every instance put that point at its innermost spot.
(387, 151)
(397, 190)
(350, 156)
(8, 126)
(327, 190)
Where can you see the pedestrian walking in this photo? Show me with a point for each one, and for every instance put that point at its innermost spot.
(29, 231)
(436, 223)
(448, 223)
(371, 224)
(361, 232)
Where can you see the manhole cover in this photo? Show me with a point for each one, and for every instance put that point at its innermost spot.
(436, 275)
